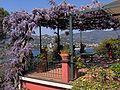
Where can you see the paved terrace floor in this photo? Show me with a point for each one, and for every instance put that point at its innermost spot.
(51, 75)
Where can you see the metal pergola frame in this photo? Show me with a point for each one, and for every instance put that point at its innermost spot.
(71, 15)
(71, 30)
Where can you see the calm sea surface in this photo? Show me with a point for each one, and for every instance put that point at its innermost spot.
(87, 50)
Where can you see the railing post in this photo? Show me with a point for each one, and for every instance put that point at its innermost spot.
(65, 68)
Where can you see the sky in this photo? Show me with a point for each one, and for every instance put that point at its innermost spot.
(28, 5)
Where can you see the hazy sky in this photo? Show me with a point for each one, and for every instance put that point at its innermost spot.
(28, 5)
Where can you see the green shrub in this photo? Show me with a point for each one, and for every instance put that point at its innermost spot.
(115, 44)
(97, 78)
(116, 69)
(84, 84)
(78, 62)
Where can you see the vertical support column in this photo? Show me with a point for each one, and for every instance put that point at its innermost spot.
(80, 36)
(58, 37)
(40, 38)
(71, 47)
(80, 41)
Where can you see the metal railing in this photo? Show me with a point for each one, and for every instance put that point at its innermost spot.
(47, 70)
(93, 60)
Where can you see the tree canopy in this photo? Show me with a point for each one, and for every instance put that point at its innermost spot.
(3, 13)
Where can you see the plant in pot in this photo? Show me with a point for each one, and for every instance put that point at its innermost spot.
(65, 53)
(42, 62)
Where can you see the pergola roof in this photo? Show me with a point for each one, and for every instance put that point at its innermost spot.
(93, 16)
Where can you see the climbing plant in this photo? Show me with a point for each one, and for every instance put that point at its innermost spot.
(20, 25)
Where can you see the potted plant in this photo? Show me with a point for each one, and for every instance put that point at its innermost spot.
(42, 62)
(65, 53)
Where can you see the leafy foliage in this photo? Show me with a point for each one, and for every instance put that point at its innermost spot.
(78, 62)
(97, 78)
(3, 13)
(83, 84)
(116, 69)
(115, 44)
(65, 49)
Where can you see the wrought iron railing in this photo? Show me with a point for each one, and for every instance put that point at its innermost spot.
(47, 70)
(96, 60)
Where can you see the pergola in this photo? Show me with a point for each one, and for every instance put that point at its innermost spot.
(66, 16)
(86, 18)
(111, 12)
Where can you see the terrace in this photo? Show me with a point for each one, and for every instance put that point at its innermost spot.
(63, 68)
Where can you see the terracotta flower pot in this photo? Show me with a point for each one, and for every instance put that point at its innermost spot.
(65, 56)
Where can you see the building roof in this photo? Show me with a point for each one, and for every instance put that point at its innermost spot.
(115, 11)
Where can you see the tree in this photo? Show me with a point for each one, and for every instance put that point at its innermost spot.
(3, 13)
(113, 44)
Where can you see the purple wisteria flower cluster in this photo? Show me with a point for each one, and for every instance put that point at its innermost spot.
(20, 25)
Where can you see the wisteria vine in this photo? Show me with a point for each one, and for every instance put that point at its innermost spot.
(20, 25)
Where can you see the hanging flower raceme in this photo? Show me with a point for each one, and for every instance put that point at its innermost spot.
(41, 16)
(98, 19)
(52, 2)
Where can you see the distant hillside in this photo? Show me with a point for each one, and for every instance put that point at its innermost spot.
(87, 37)
(96, 36)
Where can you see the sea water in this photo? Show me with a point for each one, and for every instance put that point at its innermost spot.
(88, 50)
